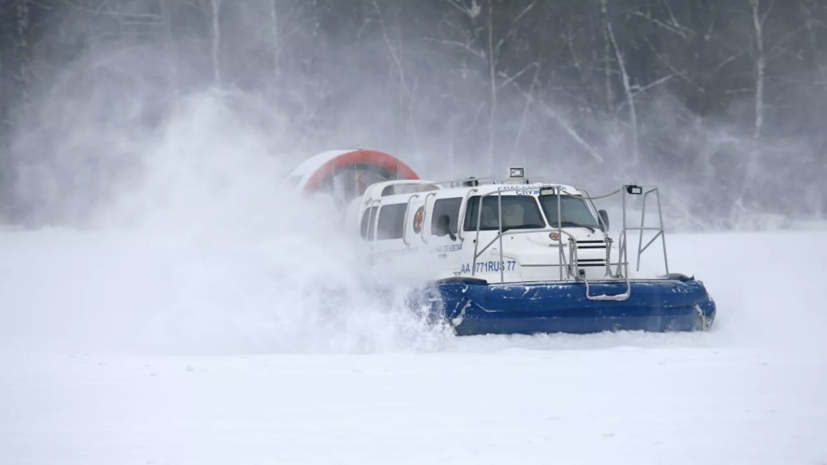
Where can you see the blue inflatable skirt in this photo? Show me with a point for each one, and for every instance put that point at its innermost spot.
(475, 307)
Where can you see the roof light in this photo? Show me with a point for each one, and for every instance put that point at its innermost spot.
(471, 182)
(516, 172)
(634, 189)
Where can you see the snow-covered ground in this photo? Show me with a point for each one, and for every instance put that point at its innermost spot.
(116, 350)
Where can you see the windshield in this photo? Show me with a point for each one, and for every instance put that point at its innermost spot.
(573, 211)
(519, 212)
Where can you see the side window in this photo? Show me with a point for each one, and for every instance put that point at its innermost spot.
(367, 233)
(391, 221)
(448, 207)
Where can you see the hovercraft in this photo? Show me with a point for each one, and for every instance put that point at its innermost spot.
(523, 257)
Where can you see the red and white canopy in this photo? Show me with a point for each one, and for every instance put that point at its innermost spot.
(348, 173)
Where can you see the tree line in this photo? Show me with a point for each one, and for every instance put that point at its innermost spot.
(721, 99)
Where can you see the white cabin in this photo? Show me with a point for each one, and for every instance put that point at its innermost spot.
(542, 232)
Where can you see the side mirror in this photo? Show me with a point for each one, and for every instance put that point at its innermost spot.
(604, 218)
(443, 226)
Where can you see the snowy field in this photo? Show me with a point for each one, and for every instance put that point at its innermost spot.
(117, 350)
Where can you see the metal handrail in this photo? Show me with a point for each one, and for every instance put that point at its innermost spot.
(660, 232)
(405, 220)
(572, 264)
(463, 209)
(623, 246)
(617, 297)
(460, 182)
(489, 180)
(563, 262)
(422, 231)
(500, 226)
(500, 233)
(558, 188)
(371, 232)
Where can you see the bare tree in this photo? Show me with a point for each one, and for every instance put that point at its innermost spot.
(22, 20)
(758, 20)
(627, 87)
(812, 24)
(215, 30)
(274, 32)
(509, 71)
(211, 9)
(492, 76)
(488, 50)
(393, 49)
(169, 46)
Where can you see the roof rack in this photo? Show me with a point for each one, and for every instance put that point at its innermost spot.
(405, 186)
(470, 181)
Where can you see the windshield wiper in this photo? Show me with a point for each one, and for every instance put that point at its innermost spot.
(523, 226)
(572, 224)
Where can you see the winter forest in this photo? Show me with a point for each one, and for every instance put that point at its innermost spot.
(718, 102)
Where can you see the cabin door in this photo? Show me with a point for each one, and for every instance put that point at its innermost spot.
(442, 227)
